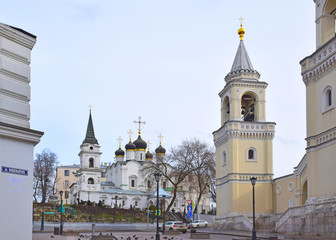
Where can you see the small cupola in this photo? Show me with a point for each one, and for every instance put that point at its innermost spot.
(130, 146)
(160, 150)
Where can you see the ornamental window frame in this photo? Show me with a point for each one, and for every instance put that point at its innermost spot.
(251, 155)
(327, 100)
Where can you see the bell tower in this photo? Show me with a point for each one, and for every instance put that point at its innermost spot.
(244, 142)
(90, 171)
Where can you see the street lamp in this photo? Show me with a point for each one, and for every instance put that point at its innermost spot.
(164, 213)
(157, 179)
(61, 226)
(115, 206)
(254, 235)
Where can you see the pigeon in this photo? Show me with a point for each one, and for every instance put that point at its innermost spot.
(152, 237)
(52, 236)
(79, 239)
(165, 237)
(121, 237)
(81, 236)
(100, 234)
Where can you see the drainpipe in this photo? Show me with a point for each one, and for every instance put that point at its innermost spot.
(274, 206)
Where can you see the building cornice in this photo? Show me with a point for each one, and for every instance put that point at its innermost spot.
(244, 130)
(21, 133)
(243, 83)
(321, 62)
(301, 166)
(244, 177)
(17, 35)
(321, 139)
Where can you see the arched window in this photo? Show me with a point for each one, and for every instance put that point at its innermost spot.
(327, 99)
(132, 183)
(90, 181)
(148, 184)
(247, 107)
(224, 158)
(251, 154)
(226, 110)
(91, 162)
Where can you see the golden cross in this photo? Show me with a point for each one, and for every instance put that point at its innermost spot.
(241, 21)
(130, 134)
(160, 136)
(148, 143)
(119, 139)
(140, 124)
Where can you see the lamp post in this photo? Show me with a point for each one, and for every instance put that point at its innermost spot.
(254, 235)
(115, 206)
(61, 226)
(157, 179)
(164, 213)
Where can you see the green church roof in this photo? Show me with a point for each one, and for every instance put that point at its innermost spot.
(90, 136)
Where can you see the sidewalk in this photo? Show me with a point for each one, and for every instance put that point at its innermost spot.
(123, 236)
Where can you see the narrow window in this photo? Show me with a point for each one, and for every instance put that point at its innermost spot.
(140, 156)
(123, 202)
(132, 183)
(91, 163)
(329, 99)
(251, 154)
(164, 185)
(224, 158)
(66, 183)
(66, 173)
(66, 194)
(103, 174)
(148, 184)
(136, 203)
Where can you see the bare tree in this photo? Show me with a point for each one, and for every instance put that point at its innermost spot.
(44, 175)
(204, 169)
(212, 183)
(182, 161)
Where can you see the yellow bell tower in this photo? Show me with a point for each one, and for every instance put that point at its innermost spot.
(244, 142)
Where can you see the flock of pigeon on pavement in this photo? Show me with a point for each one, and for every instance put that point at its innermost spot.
(134, 237)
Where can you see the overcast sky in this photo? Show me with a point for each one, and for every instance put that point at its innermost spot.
(162, 60)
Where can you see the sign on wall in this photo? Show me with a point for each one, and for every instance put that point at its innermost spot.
(14, 171)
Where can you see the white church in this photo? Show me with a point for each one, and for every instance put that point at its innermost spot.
(126, 185)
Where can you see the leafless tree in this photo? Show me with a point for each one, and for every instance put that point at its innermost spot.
(183, 160)
(204, 169)
(44, 175)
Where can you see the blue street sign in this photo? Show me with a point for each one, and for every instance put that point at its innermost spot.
(14, 171)
(158, 214)
(189, 214)
(189, 208)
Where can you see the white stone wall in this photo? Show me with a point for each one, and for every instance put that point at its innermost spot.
(17, 140)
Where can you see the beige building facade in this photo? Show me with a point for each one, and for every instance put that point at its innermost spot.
(303, 202)
(244, 142)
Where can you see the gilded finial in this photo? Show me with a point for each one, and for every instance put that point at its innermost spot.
(130, 134)
(119, 140)
(160, 137)
(90, 107)
(148, 143)
(241, 31)
(139, 122)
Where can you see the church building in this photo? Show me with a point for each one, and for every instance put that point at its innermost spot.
(302, 203)
(244, 141)
(126, 185)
